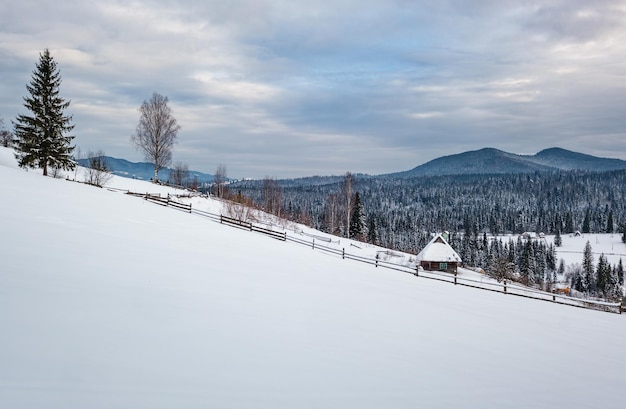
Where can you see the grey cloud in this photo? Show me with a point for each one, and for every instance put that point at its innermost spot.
(290, 89)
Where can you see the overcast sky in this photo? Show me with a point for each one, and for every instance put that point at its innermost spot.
(300, 88)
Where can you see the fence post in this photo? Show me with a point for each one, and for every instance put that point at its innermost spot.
(417, 269)
(505, 285)
(343, 253)
(454, 277)
(313, 244)
(376, 259)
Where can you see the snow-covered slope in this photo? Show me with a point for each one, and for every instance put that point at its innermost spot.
(109, 301)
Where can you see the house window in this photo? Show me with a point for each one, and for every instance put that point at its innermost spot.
(443, 266)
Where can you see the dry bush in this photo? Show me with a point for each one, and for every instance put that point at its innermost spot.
(239, 211)
(98, 172)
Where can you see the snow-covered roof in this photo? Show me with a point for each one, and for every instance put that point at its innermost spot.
(438, 250)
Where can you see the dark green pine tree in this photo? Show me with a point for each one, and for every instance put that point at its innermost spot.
(357, 219)
(609, 222)
(372, 230)
(569, 223)
(624, 234)
(527, 263)
(558, 241)
(588, 281)
(603, 276)
(41, 139)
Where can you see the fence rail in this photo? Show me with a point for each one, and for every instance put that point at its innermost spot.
(508, 288)
(166, 201)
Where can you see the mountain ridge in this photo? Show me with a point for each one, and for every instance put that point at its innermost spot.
(495, 161)
(143, 170)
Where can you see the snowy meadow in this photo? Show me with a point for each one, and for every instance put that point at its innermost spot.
(108, 300)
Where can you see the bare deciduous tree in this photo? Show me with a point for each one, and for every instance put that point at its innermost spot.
(6, 137)
(331, 215)
(98, 172)
(156, 132)
(180, 174)
(219, 181)
(272, 194)
(239, 211)
(346, 194)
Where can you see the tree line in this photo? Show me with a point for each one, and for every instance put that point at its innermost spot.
(401, 209)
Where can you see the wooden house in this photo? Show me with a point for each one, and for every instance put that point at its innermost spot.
(438, 255)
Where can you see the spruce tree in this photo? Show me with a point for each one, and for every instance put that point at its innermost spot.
(558, 241)
(603, 275)
(357, 219)
(41, 140)
(372, 231)
(527, 264)
(588, 281)
(609, 222)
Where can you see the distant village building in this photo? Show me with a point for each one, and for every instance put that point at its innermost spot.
(438, 255)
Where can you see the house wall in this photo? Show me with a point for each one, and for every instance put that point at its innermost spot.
(436, 266)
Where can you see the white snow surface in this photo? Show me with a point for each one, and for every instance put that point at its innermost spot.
(110, 301)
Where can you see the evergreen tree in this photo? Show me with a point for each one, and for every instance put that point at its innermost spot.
(578, 279)
(558, 241)
(551, 258)
(372, 231)
(41, 140)
(561, 270)
(527, 263)
(603, 276)
(540, 263)
(620, 273)
(357, 219)
(587, 269)
(569, 223)
(609, 222)
(615, 288)
(624, 234)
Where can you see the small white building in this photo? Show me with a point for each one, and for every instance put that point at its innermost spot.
(438, 255)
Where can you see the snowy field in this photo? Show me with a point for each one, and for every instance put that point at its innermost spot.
(573, 246)
(109, 301)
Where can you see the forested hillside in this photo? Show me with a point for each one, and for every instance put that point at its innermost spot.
(401, 212)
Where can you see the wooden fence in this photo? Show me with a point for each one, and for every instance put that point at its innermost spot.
(505, 287)
(253, 227)
(166, 201)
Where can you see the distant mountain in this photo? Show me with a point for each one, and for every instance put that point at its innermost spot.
(143, 170)
(568, 160)
(494, 161)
